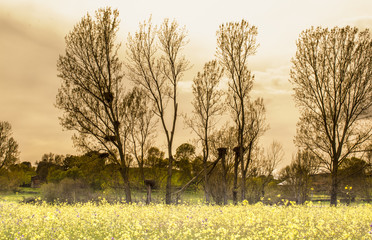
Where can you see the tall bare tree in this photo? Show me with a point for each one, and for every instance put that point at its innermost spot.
(331, 74)
(91, 94)
(159, 72)
(141, 118)
(236, 41)
(9, 152)
(207, 105)
(255, 127)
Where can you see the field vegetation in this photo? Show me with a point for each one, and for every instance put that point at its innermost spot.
(187, 221)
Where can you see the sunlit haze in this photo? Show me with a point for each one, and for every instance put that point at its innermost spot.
(32, 37)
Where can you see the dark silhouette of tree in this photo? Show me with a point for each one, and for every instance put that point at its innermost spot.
(353, 167)
(53, 158)
(207, 105)
(9, 152)
(92, 95)
(353, 172)
(19, 174)
(156, 164)
(236, 41)
(185, 154)
(185, 151)
(155, 158)
(159, 72)
(331, 74)
(49, 162)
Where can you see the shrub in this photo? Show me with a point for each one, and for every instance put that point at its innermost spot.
(216, 185)
(68, 190)
(9, 181)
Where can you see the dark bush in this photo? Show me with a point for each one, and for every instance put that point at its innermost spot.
(68, 190)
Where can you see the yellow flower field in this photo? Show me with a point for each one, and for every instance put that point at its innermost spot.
(123, 221)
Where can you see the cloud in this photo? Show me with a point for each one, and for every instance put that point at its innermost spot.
(272, 84)
(272, 81)
(28, 83)
(185, 86)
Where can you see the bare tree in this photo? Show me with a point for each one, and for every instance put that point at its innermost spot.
(224, 138)
(236, 41)
(262, 167)
(159, 73)
(207, 105)
(331, 74)
(256, 126)
(141, 118)
(8, 146)
(274, 156)
(298, 174)
(91, 94)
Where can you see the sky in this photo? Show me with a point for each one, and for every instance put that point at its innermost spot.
(32, 37)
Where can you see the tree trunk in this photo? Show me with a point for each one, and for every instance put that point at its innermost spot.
(241, 159)
(148, 199)
(124, 174)
(205, 161)
(334, 184)
(244, 169)
(224, 183)
(235, 187)
(244, 173)
(140, 165)
(299, 190)
(168, 188)
(124, 170)
(206, 185)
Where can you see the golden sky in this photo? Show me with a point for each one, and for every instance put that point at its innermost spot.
(32, 36)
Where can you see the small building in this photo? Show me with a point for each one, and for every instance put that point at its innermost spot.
(36, 181)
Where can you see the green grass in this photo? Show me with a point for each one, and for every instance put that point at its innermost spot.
(157, 196)
(20, 194)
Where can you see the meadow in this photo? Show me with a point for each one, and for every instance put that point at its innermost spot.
(189, 221)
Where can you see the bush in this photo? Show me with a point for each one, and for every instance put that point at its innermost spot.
(216, 185)
(68, 190)
(9, 181)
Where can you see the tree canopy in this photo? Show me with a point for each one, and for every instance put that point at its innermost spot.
(9, 152)
(331, 75)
